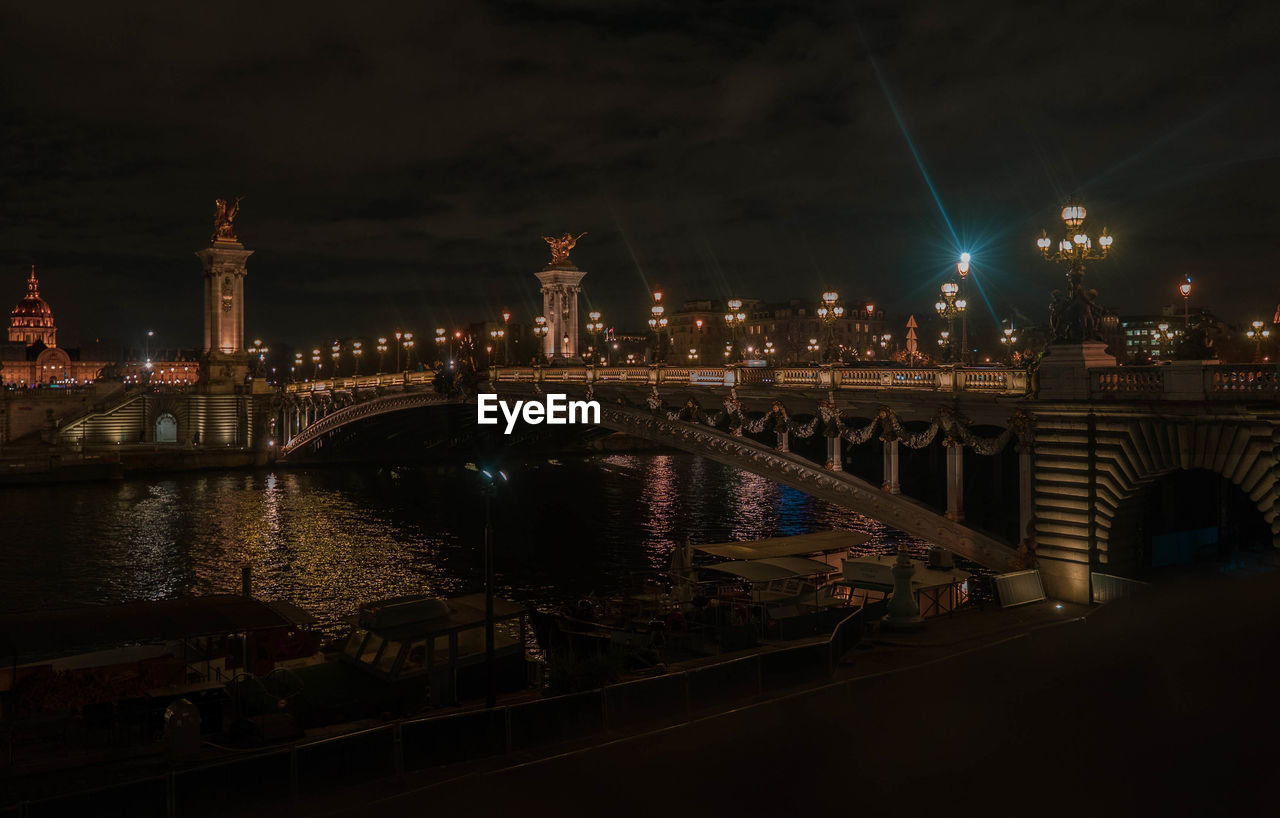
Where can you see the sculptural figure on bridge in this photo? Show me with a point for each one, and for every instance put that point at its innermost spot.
(1077, 317)
(560, 248)
(224, 216)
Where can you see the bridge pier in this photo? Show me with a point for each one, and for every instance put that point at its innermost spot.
(955, 479)
(891, 482)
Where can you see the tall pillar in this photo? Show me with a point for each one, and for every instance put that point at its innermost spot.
(891, 483)
(955, 480)
(224, 361)
(561, 283)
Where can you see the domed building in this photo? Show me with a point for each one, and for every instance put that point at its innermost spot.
(32, 356)
(31, 321)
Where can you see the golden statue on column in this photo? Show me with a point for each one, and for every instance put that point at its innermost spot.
(224, 216)
(560, 248)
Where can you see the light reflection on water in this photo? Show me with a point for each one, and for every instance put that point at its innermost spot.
(329, 539)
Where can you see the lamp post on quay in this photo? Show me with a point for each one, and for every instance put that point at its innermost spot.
(357, 350)
(540, 330)
(594, 325)
(382, 354)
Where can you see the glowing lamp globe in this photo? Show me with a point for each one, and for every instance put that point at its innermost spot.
(1073, 215)
(1185, 289)
(950, 288)
(964, 258)
(1105, 240)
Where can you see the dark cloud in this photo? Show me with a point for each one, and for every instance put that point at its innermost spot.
(401, 161)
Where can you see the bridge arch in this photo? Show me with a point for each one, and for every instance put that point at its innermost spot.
(338, 409)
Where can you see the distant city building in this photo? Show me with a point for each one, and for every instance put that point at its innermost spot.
(1153, 336)
(789, 329)
(32, 357)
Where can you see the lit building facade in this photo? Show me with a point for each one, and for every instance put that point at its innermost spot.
(699, 329)
(32, 356)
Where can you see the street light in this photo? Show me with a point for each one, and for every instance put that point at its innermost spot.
(297, 363)
(962, 270)
(1008, 338)
(594, 325)
(506, 334)
(658, 323)
(315, 364)
(948, 308)
(693, 354)
(734, 318)
(495, 335)
(337, 353)
(540, 330)
(1075, 317)
(409, 344)
(382, 354)
(1185, 289)
(1257, 334)
(813, 348)
(357, 349)
(829, 311)
(441, 340)
(257, 349)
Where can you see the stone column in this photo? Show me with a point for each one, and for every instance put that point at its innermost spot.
(835, 454)
(225, 363)
(955, 479)
(891, 483)
(560, 288)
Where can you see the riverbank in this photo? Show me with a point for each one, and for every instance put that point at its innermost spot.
(46, 464)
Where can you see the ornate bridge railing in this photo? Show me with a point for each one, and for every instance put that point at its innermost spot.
(361, 382)
(990, 381)
(1187, 380)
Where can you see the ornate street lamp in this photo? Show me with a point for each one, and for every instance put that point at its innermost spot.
(382, 354)
(315, 364)
(506, 337)
(813, 347)
(357, 349)
(441, 340)
(1257, 334)
(540, 330)
(409, 344)
(658, 323)
(337, 353)
(297, 364)
(1185, 289)
(257, 349)
(594, 325)
(496, 335)
(733, 319)
(948, 308)
(693, 355)
(399, 336)
(829, 311)
(962, 270)
(1008, 338)
(1075, 317)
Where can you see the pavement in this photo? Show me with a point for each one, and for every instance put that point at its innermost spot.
(1163, 704)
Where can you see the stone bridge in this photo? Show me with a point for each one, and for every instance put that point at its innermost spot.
(1005, 469)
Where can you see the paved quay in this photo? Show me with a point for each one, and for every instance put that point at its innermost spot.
(1139, 705)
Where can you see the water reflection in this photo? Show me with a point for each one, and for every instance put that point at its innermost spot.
(329, 539)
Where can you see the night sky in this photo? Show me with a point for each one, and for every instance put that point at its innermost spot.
(400, 162)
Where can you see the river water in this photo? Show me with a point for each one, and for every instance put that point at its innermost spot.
(330, 538)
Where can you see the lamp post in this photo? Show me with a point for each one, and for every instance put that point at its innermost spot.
(1008, 338)
(259, 350)
(693, 355)
(540, 330)
(1185, 289)
(1257, 334)
(496, 335)
(315, 364)
(297, 364)
(491, 479)
(506, 336)
(962, 270)
(357, 350)
(441, 340)
(734, 318)
(657, 323)
(337, 353)
(949, 306)
(382, 354)
(830, 310)
(409, 345)
(813, 348)
(1074, 317)
(594, 325)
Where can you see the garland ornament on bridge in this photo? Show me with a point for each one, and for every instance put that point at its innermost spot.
(1075, 317)
(831, 422)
